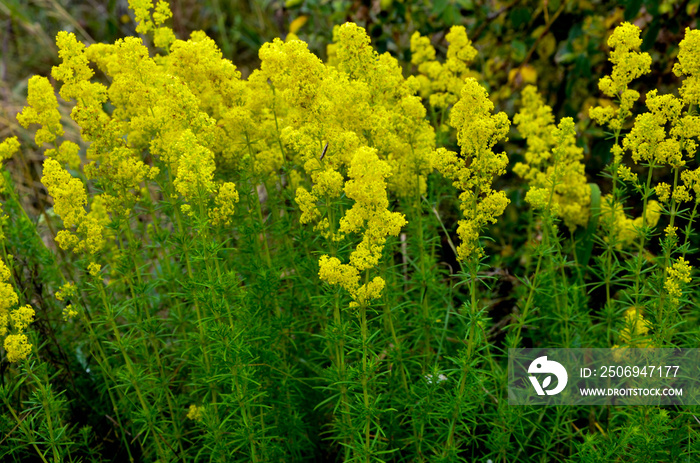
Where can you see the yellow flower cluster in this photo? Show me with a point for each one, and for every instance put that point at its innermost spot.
(43, 110)
(647, 140)
(70, 199)
(635, 332)
(13, 321)
(66, 290)
(225, 199)
(691, 182)
(650, 141)
(472, 173)
(628, 64)
(553, 166)
(157, 106)
(332, 111)
(8, 148)
(689, 65)
(442, 83)
(393, 119)
(369, 216)
(624, 229)
(195, 413)
(196, 167)
(678, 274)
(162, 36)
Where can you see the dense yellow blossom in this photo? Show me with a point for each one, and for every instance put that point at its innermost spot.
(553, 162)
(622, 228)
(225, 200)
(677, 274)
(370, 216)
(634, 333)
(70, 199)
(367, 187)
(164, 106)
(628, 64)
(472, 173)
(295, 72)
(635, 326)
(301, 81)
(66, 154)
(691, 180)
(17, 347)
(663, 191)
(8, 148)
(335, 272)
(307, 205)
(442, 83)
(647, 139)
(8, 298)
(195, 173)
(671, 232)
(74, 70)
(13, 321)
(689, 65)
(94, 269)
(117, 166)
(195, 413)
(215, 81)
(148, 21)
(394, 119)
(43, 110)
(22, 317)
(361, 99)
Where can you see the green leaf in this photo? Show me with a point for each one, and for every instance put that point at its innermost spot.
(439, 6)
(519, 50)
(632, 7)
(519, 16)
(584, 245)
(466, 4)
(651, 34)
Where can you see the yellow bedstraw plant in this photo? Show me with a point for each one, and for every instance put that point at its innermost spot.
(13, 320)
(473, 173)
(218, 268)
(558, 173)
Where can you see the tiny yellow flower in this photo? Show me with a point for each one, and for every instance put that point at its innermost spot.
(195, 413)
(69, 312)
(8, 148)
(678, 274)
(225, 200)
(663, 191)
(94, 269)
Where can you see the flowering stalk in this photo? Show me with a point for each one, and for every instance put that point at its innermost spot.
(628, 64)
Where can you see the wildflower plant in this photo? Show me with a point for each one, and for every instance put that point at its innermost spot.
(309, 262)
